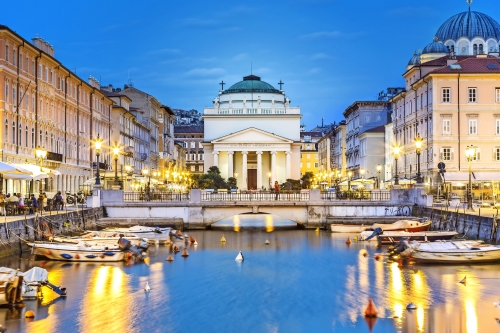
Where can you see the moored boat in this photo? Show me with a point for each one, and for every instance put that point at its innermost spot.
(78, 252)
(393, 237)
(458, 252)
(401, 225)
(102, 237)
(153, 234)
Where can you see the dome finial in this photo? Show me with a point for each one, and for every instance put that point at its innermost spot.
(469, 2)
(435, 39)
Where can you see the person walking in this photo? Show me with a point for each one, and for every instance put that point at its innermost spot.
(276, 190)
(34, 204)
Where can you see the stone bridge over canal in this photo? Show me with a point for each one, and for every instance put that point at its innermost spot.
(311, 210)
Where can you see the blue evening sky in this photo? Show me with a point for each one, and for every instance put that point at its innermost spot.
(329, 53)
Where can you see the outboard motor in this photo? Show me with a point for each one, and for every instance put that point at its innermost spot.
(144, 244)
(401, 246)
(158, 230)
(124, 243)
(376, 232)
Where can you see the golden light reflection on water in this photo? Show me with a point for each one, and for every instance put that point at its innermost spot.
(236, 223)
(106, 305)
(269, 223)
(420, 317)
(470, 316)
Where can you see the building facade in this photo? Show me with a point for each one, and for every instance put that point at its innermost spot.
(251, 131)
(192, 138)
(309, 152)
(44, 104)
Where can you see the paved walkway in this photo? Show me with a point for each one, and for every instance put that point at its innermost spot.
(489, 212)
(69, 208)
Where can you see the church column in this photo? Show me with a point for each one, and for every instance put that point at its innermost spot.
(273, 168)
(245, 173)
(259, 170)
(288, 164)
(230, 171)
(216, 158)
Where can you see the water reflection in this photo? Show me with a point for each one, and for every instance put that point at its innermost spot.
(267, 222)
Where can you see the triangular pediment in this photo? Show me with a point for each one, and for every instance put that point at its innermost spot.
(252, 135)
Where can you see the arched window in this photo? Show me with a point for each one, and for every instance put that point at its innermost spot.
(26, 141)
(475, 49)
(20, 135)
(46, 139)
(51, 141)
(452, 48)
(13, 132)
(40, 143)
(481, 49)
(32, 137)
(6, 130)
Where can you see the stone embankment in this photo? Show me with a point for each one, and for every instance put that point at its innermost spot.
(13, 228)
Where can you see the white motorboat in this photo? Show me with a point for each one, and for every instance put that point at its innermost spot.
(458, 252)
(393, 237)
(401, 225)
(11, 286)
(34, 280)
(78, 252)
(103, 237)
(153, 234)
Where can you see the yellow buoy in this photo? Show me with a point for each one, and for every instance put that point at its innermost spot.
(317, 230)
(223, 239)
(355, 238)
(29, 314)
(170, 257)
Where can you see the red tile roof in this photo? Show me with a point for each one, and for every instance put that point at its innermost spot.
(473, 65)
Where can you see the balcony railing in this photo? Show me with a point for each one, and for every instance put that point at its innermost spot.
(54, 157)
(373, 195)
(154, 196)
(224, 195)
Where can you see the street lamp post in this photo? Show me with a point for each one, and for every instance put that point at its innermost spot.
(236, 179)
(41, 154)
(349, 176)
(379, 168)
(418, 147)
(98, 144)
(116, 151)
(127, 171)
(470, 151)
(145, 172)
(396, 156)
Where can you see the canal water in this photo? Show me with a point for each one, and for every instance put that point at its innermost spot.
(303, 281)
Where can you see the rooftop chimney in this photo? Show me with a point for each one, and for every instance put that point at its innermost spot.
(94, 83)
(43, 45)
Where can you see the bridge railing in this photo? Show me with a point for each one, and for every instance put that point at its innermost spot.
(154, 197)
(256, 196)
(373, 195)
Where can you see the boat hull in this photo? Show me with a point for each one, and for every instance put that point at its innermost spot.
(403, 225)
(69, 253)
(389, 238)
(485, 255)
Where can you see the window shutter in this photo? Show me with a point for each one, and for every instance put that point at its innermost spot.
(452, 154)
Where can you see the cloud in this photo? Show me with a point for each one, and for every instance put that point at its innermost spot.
(329, 34)
(320, 56)
(206, 72)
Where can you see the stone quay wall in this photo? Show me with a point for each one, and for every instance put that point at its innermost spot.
(471, 226)
(25, 227)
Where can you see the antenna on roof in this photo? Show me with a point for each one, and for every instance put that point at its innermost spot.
(469, 2)
(129, 83)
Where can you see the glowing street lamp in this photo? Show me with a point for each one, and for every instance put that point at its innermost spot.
(349, 176)
(418, 148)
(41, 154)
(98, 145)
(379, 168)
(470, 152)
(116, 152)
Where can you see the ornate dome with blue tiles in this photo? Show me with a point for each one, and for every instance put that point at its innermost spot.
(251, 83)
(470, 25)
(415, 60)
(435, 47)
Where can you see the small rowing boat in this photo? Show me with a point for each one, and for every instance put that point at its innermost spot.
(153, 234)
(394, 237)
(78, 252)
(401, 225)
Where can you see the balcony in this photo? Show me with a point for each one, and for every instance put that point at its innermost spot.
(54, 157)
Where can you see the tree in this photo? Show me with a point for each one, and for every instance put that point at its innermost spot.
(307, 179)
(211, 179)
(231, 182)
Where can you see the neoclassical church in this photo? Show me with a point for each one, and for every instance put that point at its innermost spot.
(465, 34)
(253, 134)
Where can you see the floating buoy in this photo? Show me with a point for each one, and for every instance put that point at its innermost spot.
(266, 242)
(377, 256)
(317, 229)
(29, 314)
(239, 257)
(411, 306)
(147, 288)
(195, 242)
(355, 238)
(348, 241)
(400, 263)
(176, 249)
(179, 233)
(371, 310)
(464, 280)
(191, 239)
(170, 257)
(77, 256)
(223, 239)
(185, 253)
(365, 254)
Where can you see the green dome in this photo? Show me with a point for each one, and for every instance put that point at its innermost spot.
(252, 84)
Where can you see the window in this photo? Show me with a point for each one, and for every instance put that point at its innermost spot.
(193, 144)
(6, 130)
(473, 126)
(308, 156)
(497, 126)
(13, 132)
(472, 95)
(497, 95)
(496, 154)
(446, 126)
(192, 168)
(26, 141)
(7, 53)
(6, 91)
(32, 137)
(446, 95)
(308, 165)
(316, 165)
(446, 154)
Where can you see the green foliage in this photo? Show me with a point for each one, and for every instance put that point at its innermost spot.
(291, 184)
(307, 179)
(231, 182)
(211, 179)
